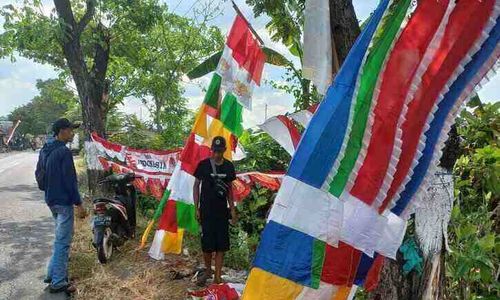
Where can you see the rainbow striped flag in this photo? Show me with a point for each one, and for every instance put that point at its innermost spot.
(368, 153)
(239, 70)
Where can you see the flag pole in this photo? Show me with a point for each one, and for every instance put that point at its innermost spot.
(13, 131)
(238, 11)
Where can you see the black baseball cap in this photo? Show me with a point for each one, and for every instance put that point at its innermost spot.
(219, 144)
(63, 123)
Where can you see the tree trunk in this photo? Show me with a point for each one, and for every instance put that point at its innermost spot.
(344, 28)
(393, 285)
(157, 114)
(431, 227)
(90, 84)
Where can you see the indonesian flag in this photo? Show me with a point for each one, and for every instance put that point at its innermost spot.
(283, 131)
(220, 114)
(241, 63)
(304, 116)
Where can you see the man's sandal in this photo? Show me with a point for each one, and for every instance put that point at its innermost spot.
(69, 289)
(202, 279)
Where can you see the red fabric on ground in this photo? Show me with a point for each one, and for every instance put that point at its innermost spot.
(217, 292)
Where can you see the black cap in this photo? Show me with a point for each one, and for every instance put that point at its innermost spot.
(219, 144)
(62, 123)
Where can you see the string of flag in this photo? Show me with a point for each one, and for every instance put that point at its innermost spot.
(370, 149)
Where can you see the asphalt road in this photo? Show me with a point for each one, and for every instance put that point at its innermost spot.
(26, 230)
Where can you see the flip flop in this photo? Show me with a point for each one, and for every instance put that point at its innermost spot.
(68, 289)
(202, 279)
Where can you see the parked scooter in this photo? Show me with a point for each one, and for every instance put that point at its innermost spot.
(114, 219)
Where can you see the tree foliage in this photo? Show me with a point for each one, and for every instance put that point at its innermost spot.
(53, 102)
(286, 25)
(473, 265)
(174, 45)
(115, 49)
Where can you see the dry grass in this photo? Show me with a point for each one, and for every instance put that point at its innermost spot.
(131, 274)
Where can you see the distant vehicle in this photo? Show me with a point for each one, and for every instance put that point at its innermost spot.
(6, 129)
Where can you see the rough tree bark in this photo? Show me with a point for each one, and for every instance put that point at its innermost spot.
(89, 81)
(344, 28)
(431, 235)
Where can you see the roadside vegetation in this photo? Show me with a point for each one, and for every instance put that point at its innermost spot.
(154, 75)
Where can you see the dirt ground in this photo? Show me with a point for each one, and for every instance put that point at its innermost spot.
(131, 274)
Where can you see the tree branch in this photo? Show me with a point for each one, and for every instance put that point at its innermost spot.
(89, 13)
(65, 12)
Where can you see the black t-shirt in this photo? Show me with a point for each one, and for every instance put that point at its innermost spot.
(210, 204)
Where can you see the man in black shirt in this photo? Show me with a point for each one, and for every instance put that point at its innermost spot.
(215, 175)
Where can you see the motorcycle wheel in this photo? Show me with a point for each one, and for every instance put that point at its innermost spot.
(105, 249)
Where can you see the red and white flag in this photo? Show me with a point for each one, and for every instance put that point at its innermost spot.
(283, 131)
(304, 116)
(241, 63)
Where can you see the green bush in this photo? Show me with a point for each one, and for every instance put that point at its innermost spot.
(472, 267)
(146, 205)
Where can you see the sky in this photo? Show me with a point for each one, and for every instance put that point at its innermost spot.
(18, 79)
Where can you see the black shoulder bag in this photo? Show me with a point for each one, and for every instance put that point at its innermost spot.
(221, 188)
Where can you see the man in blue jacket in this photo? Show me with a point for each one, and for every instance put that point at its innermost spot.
(56, 175)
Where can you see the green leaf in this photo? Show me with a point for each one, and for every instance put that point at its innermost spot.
(487, 243)
(210, 64)
(275, 58)
(455, 213)
(474, 102)
(485, 274)
(463, 267)
(207, 66)
(295, 50)
(466, 230)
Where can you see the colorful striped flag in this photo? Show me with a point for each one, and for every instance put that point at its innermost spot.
(239, 71)
(368, 151)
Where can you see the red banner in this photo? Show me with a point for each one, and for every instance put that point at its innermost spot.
(156, 168)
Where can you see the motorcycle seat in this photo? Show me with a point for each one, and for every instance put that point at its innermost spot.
(115, 201)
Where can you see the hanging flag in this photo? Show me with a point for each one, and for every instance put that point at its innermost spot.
(366, 155)
(283, 131)
(240, 68)
(303, 117)
(241, 63)
(318, 58)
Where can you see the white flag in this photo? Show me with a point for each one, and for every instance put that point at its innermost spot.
(318, 45)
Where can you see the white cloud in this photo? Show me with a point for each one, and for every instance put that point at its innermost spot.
(18, 82)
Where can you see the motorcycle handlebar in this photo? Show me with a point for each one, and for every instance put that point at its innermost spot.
(121, 177)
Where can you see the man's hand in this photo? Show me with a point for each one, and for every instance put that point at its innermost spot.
(80, 211)
(198, 216)
(234, 216)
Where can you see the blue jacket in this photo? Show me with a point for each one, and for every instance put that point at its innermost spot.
(60, 174)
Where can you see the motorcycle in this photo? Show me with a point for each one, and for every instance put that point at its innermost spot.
(114, 218)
